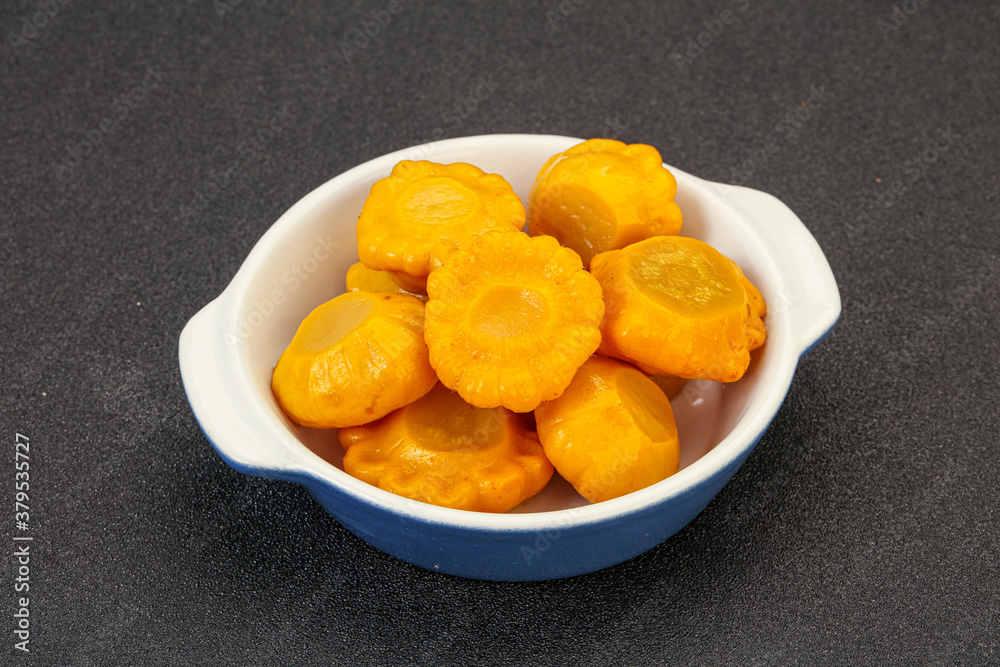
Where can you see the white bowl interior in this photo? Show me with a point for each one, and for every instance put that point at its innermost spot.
(285, 280)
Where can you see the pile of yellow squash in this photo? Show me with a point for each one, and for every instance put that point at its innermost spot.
(468, 359)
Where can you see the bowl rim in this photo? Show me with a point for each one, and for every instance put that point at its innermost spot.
(308, 467)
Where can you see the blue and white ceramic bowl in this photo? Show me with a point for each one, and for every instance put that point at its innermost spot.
(229, 348)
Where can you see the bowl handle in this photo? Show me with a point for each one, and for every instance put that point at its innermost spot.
(810, 290)
(242, 442)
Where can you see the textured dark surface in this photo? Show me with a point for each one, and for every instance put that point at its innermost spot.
(864, 528)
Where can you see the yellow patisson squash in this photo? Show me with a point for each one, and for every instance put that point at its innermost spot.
(510, 319)
(354, 359)
(611, 432)
(677, 306)
(414, 218)
(443, 451)
(603, 194)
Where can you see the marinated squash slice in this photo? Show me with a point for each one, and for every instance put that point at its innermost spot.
(611, 432)
(413, 219)
(603, 194)
(354, 359)
(443, 451)
(360, 278)
(510, 319)
(676, 306)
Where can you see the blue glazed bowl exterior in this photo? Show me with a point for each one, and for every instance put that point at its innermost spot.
(517, 555)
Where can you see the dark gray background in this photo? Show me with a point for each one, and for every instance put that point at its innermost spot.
(863, 529)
